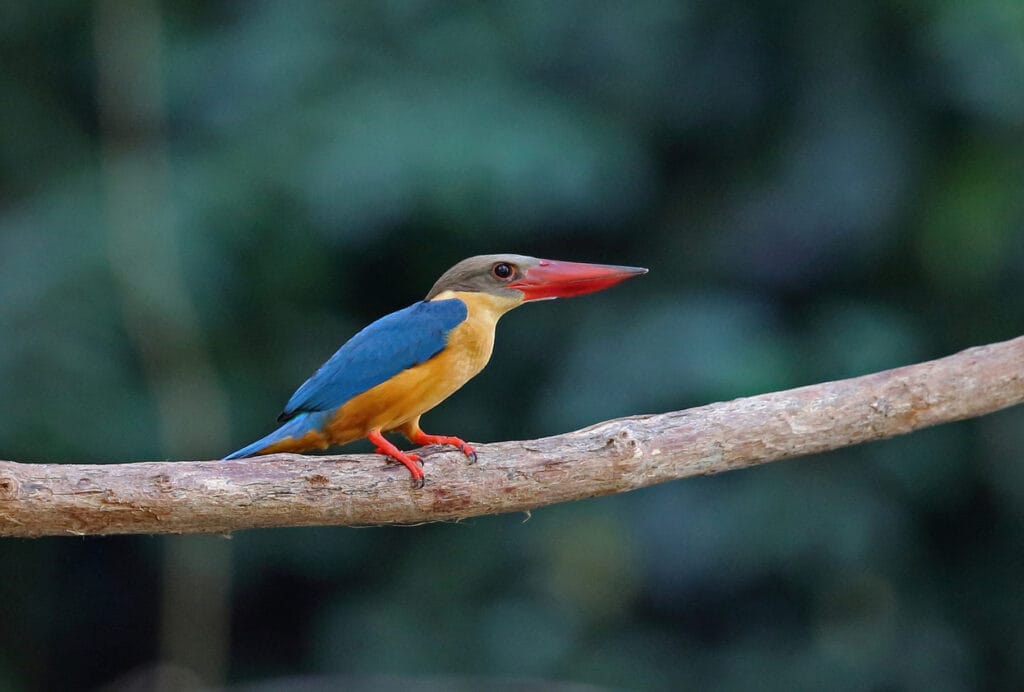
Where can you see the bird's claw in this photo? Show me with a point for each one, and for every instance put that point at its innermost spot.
(393, 454)
(414, 462)
(393, 460)
(449, 441)
(418, 479)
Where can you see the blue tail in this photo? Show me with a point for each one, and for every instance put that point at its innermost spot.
(296, 427)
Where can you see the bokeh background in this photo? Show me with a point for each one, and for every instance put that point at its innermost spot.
(199, 201)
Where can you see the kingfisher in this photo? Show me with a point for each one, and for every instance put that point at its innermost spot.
(406, 363)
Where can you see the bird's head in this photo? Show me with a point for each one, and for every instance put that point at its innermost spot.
(518, 278)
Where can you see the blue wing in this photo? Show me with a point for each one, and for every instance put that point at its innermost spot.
(390, 345)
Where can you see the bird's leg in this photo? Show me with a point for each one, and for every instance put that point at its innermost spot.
(387, 449)
(417, 436)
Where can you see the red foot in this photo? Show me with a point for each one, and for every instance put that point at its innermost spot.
(421, 438)
(387, 449)
(386, 453)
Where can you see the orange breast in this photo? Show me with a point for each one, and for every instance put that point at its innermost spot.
(412, 392)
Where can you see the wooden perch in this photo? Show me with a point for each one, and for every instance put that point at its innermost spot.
(610, 457)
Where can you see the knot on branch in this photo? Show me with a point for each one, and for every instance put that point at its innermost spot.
(9, 488)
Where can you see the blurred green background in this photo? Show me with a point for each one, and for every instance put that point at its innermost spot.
(199, 201)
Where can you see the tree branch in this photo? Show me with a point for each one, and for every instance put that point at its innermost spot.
(610, 457)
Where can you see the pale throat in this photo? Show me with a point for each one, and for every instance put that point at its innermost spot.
(482, 306)
(473, 340)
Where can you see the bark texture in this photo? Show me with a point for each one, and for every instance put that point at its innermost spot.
(610, 457)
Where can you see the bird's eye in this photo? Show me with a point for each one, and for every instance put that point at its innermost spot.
(503, 270)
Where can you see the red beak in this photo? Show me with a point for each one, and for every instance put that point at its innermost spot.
(555, 279)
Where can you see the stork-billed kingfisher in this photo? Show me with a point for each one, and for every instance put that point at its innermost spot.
(406, 363)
